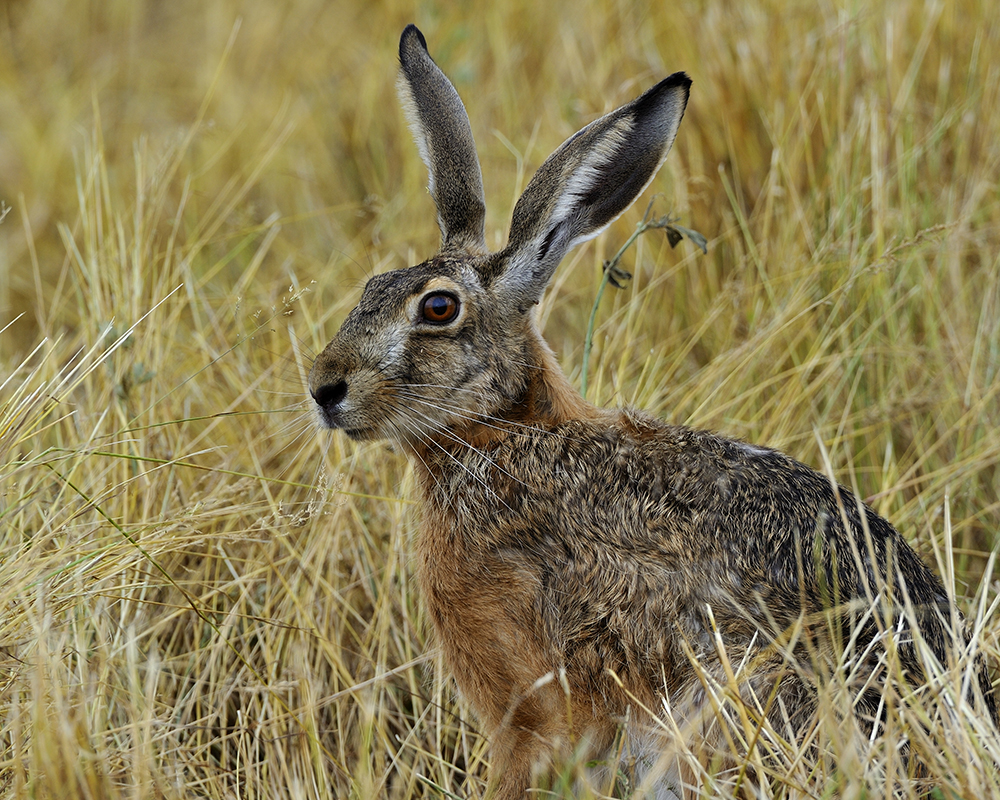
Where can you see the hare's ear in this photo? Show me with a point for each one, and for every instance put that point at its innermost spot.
(444, 137)
(584, 185)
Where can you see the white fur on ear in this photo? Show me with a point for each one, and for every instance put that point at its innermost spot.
(409, 105)
(588, 177)
(562, 230)
(412, 114)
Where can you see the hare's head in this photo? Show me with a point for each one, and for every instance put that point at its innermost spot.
(452, 341)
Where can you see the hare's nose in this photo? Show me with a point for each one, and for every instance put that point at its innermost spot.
(330, 395)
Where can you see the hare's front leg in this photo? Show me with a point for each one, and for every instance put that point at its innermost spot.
(520, 748)
(537, 734)
(522, 709)
(485, 612)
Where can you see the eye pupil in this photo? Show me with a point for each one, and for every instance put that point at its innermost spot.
(440, 308)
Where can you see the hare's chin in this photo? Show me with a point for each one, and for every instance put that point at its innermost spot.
(362, 434)
(333, 422)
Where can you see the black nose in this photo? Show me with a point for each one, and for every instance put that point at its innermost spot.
(330, 395)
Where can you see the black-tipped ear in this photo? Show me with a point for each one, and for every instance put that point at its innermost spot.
(410, 32)
(591, 179)
(443, 135)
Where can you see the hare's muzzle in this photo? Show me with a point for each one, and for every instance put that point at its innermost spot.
(329, 397)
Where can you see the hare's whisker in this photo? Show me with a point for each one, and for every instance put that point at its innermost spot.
(449, 496)
(462, 413)
(458, 440)
(489, 489)
(526, 429)
(302, 438)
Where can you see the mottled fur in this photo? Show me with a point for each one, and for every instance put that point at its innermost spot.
(574, 559)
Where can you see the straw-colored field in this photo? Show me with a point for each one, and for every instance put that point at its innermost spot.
(205, 597)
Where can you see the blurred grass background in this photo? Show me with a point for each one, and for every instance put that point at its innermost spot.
(201, 597)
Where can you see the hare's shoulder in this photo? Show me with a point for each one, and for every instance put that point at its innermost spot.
(754, 512)
(630, 479)
(629, 450)
(634, 480)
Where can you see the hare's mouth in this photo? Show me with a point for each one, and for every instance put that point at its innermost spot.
(352, 431)
(356, 426)
(332, 420)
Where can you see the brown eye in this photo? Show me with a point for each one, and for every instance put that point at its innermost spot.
(439, 308)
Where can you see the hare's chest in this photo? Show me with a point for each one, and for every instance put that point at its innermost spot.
(486, 614)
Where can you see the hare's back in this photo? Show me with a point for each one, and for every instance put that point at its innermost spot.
(737, 520)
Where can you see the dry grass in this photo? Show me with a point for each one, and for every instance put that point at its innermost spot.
(203, 598)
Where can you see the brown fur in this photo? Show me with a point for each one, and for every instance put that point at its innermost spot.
(578, 562)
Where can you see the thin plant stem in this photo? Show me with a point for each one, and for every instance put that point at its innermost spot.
(611, 270)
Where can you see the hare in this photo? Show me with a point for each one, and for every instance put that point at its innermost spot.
(575, 560)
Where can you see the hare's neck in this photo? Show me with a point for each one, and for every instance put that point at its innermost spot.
(549, 399)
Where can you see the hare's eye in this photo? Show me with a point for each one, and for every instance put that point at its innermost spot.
(439, 308)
